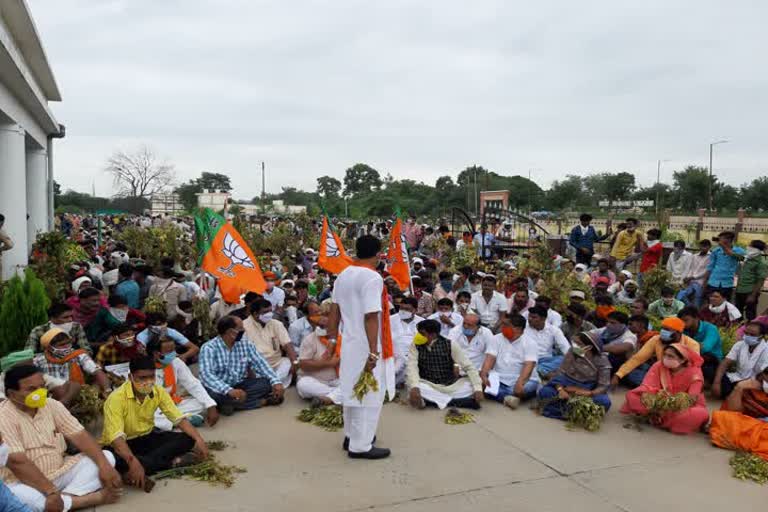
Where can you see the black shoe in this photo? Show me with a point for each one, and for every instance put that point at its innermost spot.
(465, 403)
(373, 453)
(345, 444)
(227, 409)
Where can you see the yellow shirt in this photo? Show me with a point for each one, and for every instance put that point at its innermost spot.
(625, 244)
(653, 347)
(125, 416)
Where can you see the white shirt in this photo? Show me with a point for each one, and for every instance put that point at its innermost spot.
(357, 292)
(405, 333)
(276, 297)
(554, 318)
(747, 365)
(698, 267)
(511, 356)
(547, 339)
(489, 311)
(679, 266)
(445, 329)
(474, 348)
(186, 383)
(298, 330)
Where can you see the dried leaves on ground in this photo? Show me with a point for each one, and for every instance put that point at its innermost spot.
(748, 466)
(582, 411)
(454, 416)
(329, 417)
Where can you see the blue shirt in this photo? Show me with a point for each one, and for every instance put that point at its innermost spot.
(180, 339)
(221, 368)
(129, 290)
(489, 241)
(723, 267)
(709, 338)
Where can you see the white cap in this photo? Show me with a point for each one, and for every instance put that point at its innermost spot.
(580, 266)
(509, 264)
(418, 260)
(286, 281)
(629, 282)
(310, 251)
(627, 273)
(577, 294)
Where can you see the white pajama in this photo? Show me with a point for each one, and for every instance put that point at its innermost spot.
(82, 479)
(310, 387)
(188, 407)
(283, 371)
(462, 388)
(360, 425)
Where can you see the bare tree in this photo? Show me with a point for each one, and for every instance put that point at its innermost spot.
(139, 173)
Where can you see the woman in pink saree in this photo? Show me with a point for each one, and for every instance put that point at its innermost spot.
(679, 371)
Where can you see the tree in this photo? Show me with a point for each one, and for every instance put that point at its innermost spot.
(564, 193)
(187, 193)
(361, 178)
(214, 181)
(692, 187)
(328, 186)
(753, 195)
(140, 173)
(611, 186)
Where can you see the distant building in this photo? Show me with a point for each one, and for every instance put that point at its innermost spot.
(167, 204)
(216, 200)
(277, 206)
(27, 130)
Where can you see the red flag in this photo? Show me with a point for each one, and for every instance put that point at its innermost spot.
(332, 256)
(399, 268)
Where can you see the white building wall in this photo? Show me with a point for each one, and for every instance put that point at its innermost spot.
(37, 194)
(13, 196)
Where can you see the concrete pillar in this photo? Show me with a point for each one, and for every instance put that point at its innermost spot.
(37, 195)
(13, 196)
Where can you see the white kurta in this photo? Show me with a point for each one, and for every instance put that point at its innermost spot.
(357, 291)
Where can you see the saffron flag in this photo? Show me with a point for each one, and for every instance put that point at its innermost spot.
(332, 256)
(224, 254)
(399, 267)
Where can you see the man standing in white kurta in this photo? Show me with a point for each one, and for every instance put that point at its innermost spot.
(357, 298)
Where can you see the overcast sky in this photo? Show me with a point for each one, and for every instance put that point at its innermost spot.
(416, 89)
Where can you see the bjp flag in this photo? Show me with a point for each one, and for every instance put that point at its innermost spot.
(332, 256)
(399, 268)
(224, 254)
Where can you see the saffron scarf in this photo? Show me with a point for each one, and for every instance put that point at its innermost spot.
(387, 350)
(682, 380)
(75, 372)
(337, 351)
(169, 381)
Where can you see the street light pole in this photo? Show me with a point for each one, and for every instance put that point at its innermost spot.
(709, 182)
(658, 185)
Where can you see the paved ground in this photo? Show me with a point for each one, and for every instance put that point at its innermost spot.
(508, 460)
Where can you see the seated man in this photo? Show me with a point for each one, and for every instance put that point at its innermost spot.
(747, 358)
(129, 428)
(402, 335)
(271, 339)
(186, 324)
(60, 316)
(707, 336)
(463, 302)
(719, 311)
(60, 359)
(629, 293)
(671, 332)
(433, 371)
(117, 313)
(319, 363)
(616, 338)
(234, 373)
(473, 338)
(120, 347)
(39, 471)
(575, 315)
(446, 316)
(157, 326)
(510, 360)
(304, 326)
(88, 304)
(553, 317)
(585, 371)
(65, 391)
(185, 390)
(550, 340)
(667, 306)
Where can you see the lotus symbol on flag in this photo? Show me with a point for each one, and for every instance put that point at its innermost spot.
(331, 249)
(236, 255)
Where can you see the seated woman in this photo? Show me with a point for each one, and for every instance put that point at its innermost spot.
(745, 360)
(745, 426)
(679, 371)
(60, 359)
(585, 371)
(719, 311)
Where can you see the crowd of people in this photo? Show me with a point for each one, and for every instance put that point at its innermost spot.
(461, 336)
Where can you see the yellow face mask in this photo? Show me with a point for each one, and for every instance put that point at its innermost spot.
(36, 399)
(419, 339)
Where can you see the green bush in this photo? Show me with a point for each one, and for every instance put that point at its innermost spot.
(24, 305)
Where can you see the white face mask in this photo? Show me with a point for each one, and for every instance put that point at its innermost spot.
(119, 314)
(753, 253)
(321, 331)
(717, 309)
(406, 315)
(4, 451)
(66, 327)
(266, 317)
(475, 287)
(765, 386)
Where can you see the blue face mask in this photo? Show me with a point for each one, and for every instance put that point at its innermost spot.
(168, 358)
(468, 331)
(666, 335)
(751, 341)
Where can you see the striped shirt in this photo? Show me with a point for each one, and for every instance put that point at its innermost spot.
(61, 370)
(221, 368)
(40, 437)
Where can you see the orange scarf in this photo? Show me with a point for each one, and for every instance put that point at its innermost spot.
(169, 381)
(602, 312)
(387, 349)
(337, 351)
(75, 372)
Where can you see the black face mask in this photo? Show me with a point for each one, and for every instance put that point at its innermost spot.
(239, 335)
